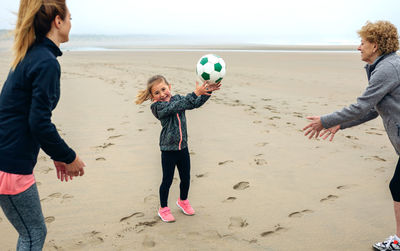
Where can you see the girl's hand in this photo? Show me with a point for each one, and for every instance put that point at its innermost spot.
(206, 89)
(202, 89)
(330, 132)
(214, 86)
(314, 127)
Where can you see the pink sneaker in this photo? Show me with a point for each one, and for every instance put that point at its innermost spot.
(185, 206)
(165, 214)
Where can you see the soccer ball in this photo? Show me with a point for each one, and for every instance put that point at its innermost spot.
(210, 68)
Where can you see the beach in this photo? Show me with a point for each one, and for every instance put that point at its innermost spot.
(256, 182)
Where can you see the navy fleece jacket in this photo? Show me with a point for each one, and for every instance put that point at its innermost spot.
(27, 99)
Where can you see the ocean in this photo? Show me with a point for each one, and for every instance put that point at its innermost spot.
(183, 43)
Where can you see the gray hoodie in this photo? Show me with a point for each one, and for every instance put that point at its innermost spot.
(171, 114)
(381, 97)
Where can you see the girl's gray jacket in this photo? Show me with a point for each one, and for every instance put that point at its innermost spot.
(382, 97)
(171, 114)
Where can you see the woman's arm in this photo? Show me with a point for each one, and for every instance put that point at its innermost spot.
(45, 95)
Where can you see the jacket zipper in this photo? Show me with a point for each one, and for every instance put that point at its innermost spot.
(180, 130)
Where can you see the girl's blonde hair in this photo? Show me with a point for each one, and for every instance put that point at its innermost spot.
(383, 33)
(34, 22)
(146, 94)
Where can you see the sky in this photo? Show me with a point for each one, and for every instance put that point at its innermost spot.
(255, 21)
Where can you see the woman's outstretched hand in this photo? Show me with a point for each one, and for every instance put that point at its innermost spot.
(206, 89)
(330, 132)
(314, 128)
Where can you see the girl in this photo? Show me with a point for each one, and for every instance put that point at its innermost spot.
(27, 99)
(170, 110)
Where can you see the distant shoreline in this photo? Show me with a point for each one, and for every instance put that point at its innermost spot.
(141, 42)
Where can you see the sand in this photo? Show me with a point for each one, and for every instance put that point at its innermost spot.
(257, 183)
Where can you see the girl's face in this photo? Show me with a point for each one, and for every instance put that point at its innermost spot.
(161, 92)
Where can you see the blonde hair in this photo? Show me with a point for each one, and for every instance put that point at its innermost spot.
(145, 94)
(383, 33)
(34, 22)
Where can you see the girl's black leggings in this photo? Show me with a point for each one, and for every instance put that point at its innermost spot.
(170, 159)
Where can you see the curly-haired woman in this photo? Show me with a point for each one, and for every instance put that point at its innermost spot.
(27, 99)
(379, 44)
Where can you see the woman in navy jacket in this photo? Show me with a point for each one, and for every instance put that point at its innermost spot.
(27, 99)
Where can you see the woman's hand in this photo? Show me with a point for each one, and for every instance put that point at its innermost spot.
(60, 169)
(206, 89)
(330, 132)
(75, 168)
(314, 127)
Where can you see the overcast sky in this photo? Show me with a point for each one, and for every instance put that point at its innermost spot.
(301, 21)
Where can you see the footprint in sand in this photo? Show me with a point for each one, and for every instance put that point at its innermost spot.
(100, 159)
(137, 215)
(1, 219)
(201, 175)
(260, 162)
(329, 198)
(148, 242)
(91, 238)
(151, 199)
(257, 121)
(42, 158)
(105, 145)
(261, 144)
(374, 133)
(49, 219)
(45, 170)
(375, 158)
(297, 114)
(342, 187)
(241, 185)
(381, 169)
(147, 223)
(55, 195)
(51, 245)
(66, 197)
(237, 222)
(300, 213)
(52, 196)
(115, 136)
(351, 137)
(110, 129)
(274, 117)
(224, 162)
(278, 229)
(229, 199)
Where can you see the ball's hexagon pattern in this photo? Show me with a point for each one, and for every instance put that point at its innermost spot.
(211, 68)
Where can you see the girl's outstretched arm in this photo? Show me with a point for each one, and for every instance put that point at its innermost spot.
(188, 102)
